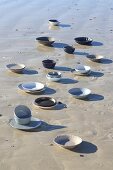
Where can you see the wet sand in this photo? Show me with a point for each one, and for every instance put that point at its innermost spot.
(21, 22)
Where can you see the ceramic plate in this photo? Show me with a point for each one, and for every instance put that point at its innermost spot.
(34, 123)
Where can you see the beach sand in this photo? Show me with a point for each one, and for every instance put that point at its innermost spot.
(21, 21)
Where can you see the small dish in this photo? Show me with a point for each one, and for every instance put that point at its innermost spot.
(80, 93)
(33, 86)
(45, 102)
(82, 70)
(47, 41)
(67, 141)
(53, 22)
(69, 49)
(50, 64)
(83, 40)
(54, 76)
(17, 68)
(95, 58)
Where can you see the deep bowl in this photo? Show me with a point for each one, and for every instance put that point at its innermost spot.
(22, 115)
(69, 49)
(95, 58)
(80, 93)
(48, 41)
(17, 68)
(67, 141)
(53, 22)
(54, 76)
(50, 64)
(45, 102)
(83, 40)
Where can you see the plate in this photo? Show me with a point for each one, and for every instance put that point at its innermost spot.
(34, 123)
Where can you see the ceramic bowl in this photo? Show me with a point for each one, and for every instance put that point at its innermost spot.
(69, 49)
(48, 41)
(17, 68)
(45, 102)
(50, 64)
(22, 115)
(33, 86)
(81, 69)
(53, 22)
(80, 93)
(67, 141)
(95, 58)
(54, 76)
(83, 40)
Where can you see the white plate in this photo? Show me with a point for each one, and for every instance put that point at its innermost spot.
(32, 92)
(80, 93)
(34, 123)
(33, 86)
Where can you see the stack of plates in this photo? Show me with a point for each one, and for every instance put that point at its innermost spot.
(32, 87)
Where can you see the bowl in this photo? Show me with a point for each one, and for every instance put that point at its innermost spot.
(95, 58)
(82, 69)
(80, 93)
(83, 40)
(50, 64)
(69, 49)
(22, 115)
(54, 76)
(48, 41)
(45, 102)
(17, 68)
(53, 22)
(33, 86)
(67, 141)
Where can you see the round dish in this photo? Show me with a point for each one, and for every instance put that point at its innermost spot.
(81, 69)
(45, 102)
(69, 49)
(67, 141)
(48, 41)
(34, 123)
(17, 68)
(54, 76)
(95, 58)
(83, 40)
(33, 86)
(50, 64)
(80, 93)
(53, 22)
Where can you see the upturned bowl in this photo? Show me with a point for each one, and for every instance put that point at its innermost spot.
(83, 40)
(50, 64)
(69, 49)
(47, 41)
(67, 141)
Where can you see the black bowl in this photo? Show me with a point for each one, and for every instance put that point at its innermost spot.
(69, 49)
(83, 40)
(50, 64)
(48, 41)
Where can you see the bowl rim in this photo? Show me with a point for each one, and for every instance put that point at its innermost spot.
(88, 39)
(48, 61)
(48, 39)
(9, 66)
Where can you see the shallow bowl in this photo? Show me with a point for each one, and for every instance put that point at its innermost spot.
(33, 86)
(54, 76)
(82, 69)
(48, 41)
(53, 22)
(83, 40)
(17, 68)
(67, 141)
(80, 93)
(95, 58)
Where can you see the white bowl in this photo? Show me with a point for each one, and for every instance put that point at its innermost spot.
(17, 68)
(82, 69)
(53, 77)
(53, 22)
(33, 86)
(67, 141)
(80, 93)
(22, 115)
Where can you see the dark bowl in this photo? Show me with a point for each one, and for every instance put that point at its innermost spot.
(83, 40)
(69, 49)
(48, 41)
(45, 102)
(50, 64)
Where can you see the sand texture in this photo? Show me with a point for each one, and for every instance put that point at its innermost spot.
(21, 21)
